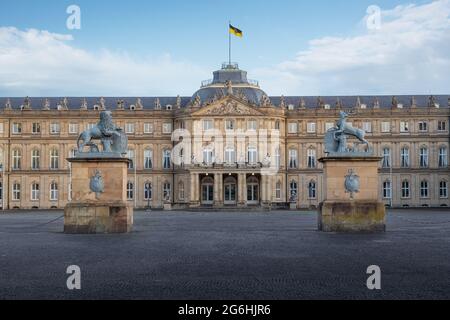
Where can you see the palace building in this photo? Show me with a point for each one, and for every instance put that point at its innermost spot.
(228, 146)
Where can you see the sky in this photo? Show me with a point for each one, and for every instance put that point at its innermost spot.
(166, 48)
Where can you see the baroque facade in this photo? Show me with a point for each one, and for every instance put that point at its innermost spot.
(229, 145)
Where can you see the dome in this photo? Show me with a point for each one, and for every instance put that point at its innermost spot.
(242, 87)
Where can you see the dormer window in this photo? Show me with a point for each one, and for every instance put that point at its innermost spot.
(132, 107)
(327, 107)
(291, 107)
(96, 107)
(363, 106)
(400, 106)
(169, 107)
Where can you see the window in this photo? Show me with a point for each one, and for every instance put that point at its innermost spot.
(73, 128)
(148, 191)
(423, 126)
(442, 126)
(229, 124)
(208, 125)
(277, 158)
(424, 189)
(54, 128)
(129, 128)
(130, 190)
(329, 126)
(278, 190)
(35, 159)
(405, 189)
(17, 159)
(36, 128)
(385, 127)
(16, 191)
(182, 124)
(387, 189)
(443, 157)
(148, 159)
(17, 128)
(230, 155)
(1, 129)
(293, 159)
(54, 159)
(367, 126)
(443, 189)
(311, 158)
(181, 191)
(386, 162)
(54, 191)
(167, 128)
(404, 157)
(293, 127)
(89, 126)
(167, 192)
(293, 191)
(252, 125)
(404, 127)
(423, 158)
(312, 190)
(208, 155)
(130, 155)
(34, 191)
(166, 159)
(148, 128)
(252, 155)
(311, 127)
(277, 125)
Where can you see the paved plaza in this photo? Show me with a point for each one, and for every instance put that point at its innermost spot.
(218, 255)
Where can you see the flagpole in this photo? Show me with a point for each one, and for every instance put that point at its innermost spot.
(229, 44)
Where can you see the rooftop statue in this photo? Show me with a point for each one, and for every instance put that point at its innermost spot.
(112, 138)
(336, 140)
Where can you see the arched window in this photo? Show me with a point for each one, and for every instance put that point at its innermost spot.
(181, 194)
(443, 157)
(131, 155)
(405, 189)
(387, 189)
(278, 190)
(293, 191)
(443, 189)
(166, 159)
(312, 194)
(277, 125)
(148, 188)
(35, 159)
(167, 191)
(54, 159)
(252, 190)
(130, 190)
(54, 191)
(404, 157)
(16, 191)
(311, 158)
(34, 191)
(293, 158)
(148, 159)
(423, 157)
(386, 162)
(16, 159)
(424, 192)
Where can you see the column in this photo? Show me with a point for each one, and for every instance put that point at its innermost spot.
(194, 191)
(218, 189)
(242, 189)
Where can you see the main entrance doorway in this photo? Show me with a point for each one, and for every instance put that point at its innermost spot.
(252, 191)
(230, 191)
(208, 191)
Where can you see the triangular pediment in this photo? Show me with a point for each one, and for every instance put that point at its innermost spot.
(228, 107)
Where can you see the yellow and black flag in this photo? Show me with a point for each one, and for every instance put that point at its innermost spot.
(236, 31)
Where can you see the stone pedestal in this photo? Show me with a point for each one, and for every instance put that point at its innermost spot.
(107, 209)
(345, 211)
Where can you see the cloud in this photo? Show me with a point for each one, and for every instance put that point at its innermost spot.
(40, 63)
(410, 54)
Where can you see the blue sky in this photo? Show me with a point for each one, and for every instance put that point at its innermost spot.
(193, 36)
